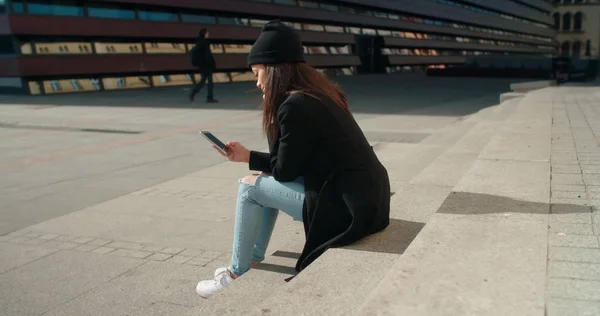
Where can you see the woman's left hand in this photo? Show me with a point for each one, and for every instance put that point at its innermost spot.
(236, 152)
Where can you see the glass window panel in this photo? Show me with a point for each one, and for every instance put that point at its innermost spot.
(398, 34)
(313, 27)
(308, 4)
(111, 13)
(195, 18)
(364, 12)
(18, 7)
(330, 7)
(171, 80)
(158, 16)
(34, 88)
(380, 14)
(384, 32)
(218, 77)
(60, 48)
(393, 16)
(242, 76)
(285, 2)
(369, 32)
(232, 21)
(258, 23)
(237, 48)
(26, 48)
(347, 10)
(317, 50)
(118, 48)
(348, 71)
(54, 9)
(334, 29)
(126, 82)
(165, 48)
(294, 25)
(353, 30)
(71, 85)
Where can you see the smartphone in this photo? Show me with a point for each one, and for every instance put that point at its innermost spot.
(215, 141)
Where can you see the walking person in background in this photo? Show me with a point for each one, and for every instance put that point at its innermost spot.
(203, 59)
(320, 168)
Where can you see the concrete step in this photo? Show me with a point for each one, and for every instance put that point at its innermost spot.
(470, 258)
(413, 169)
(324, 287)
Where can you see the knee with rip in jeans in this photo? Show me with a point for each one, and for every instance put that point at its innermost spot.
(250, 179)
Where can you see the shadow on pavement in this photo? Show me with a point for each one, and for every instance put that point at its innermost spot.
(378, 94)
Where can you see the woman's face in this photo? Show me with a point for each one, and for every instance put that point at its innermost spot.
(259, 72)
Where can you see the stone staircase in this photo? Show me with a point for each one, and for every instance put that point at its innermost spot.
(465, 200)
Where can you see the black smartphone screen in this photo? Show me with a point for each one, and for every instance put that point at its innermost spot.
(213, 139)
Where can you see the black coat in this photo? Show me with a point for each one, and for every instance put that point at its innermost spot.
(347, 188)
(202, 56)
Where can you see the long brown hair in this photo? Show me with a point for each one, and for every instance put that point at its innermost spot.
(282, 79)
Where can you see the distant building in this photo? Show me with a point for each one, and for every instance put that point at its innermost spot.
(68, 46)
(578, 25)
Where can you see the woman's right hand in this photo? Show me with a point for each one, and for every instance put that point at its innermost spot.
(236, 152)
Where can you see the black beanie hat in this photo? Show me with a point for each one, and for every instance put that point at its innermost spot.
(276, 44)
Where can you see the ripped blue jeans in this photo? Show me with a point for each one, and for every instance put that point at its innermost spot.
(256, 212)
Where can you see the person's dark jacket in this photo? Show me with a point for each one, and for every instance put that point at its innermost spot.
(202, 56)
(347, 188)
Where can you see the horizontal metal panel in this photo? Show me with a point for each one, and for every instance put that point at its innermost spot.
(449, 12)
(415, 43)
(31, 66)
(513, 8)
(426, 60)
(423, 8)
(540, 4)
(73, 26)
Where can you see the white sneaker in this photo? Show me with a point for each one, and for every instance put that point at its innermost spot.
(209, 287)
(220, 270)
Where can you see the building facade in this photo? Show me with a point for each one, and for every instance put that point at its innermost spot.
(578, 25)
(49, 47)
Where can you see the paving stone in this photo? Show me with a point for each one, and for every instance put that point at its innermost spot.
(131, 253)
(573, 241)
(159, 257)
(571, 229)
(19, 233)
(199, 261)
(83, 240)
(210, 254)
(565, 169)
(574, 270)
(14, 256)
(564, 307)
(593, 188)
(49, 282)
(591, 255)
(65, 238)
(153, 248)
(85, 248)
(571, 179)
(99, 242)
(48, 236)
(563, 201)
(33, 235)
(591, 179)
(574, 289)
(68, 245)
(6, 238)
(51, 244)
(104, 250)
(179, 259)
(19, 240)
(570, 188)
(125, 245)
(590, 169)
(568, 195)
(33, 241)
(172, 250)
(191, 252)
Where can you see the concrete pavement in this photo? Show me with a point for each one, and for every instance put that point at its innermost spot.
(112, 205)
